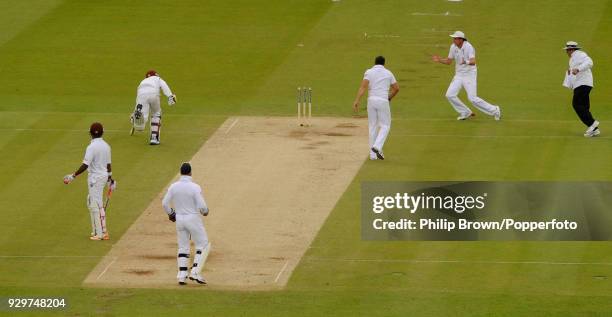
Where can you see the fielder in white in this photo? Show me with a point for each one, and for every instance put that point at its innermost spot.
(382, 87)
(147, 100)
(97, 162)
(464, 55)
(184, 203)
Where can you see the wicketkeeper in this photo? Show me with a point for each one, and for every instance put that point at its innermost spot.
(97, 162)
(184, 204)
(147, 100)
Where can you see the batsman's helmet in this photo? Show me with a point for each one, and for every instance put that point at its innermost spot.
(96, 130)
(151, 73)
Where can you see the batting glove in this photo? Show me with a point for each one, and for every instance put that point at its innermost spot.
(172, 216)
(68, 179)
(171, 100)
(112, 185)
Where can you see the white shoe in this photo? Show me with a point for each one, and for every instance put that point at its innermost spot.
(182, 277)
(196, 277)
(465, 117)
(592, 127)
(379, 153)
(592, 133)
(154, 142)
(497, 114)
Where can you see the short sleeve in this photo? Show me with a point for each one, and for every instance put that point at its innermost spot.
(471, 52)
(88, 156)
(367, 75)
(450, 53)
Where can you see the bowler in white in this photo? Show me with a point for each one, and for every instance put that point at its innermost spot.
(464, 55)
(382, 87)
(185, 205)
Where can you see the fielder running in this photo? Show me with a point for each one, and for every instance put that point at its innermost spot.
(464, 55)
(97, 162)
(382, 87)
(147, 99)
(579, 78)
(184, 203)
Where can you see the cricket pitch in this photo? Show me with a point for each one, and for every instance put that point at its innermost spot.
(270, 184)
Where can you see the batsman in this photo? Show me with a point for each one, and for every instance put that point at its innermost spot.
(97, 162)
(147, 101)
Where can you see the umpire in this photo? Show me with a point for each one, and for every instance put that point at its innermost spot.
(580, 78)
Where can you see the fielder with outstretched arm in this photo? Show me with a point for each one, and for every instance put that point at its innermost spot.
(382, 87)
(97, 162)
(184, 203)
(579, 78)
(464, 55)
(147, 99)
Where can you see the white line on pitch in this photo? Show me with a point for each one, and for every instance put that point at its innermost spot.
(461, 261)
(497, 136)
(48, 256)
(281, 272)
(446, 14)
(106, 268)
(84, 131)
(231, 126)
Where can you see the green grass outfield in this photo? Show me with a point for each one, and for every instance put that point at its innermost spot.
(64, 64)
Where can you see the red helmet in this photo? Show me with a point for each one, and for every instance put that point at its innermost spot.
(151, 73)
(96, 130)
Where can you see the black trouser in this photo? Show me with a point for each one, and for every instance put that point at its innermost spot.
(582, 104)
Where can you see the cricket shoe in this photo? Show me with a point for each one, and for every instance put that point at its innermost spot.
(593, 133)
(105, 237)
(95, 238)
(182, 277)
(154, 142)
(465, 117)
(196, 277)
(497, 114)
(592, 128)
(378, 153)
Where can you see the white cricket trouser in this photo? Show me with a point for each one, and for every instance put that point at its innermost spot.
(468, 82)
(150, 103)
(191, 227)
(379, 122)
(95, 204)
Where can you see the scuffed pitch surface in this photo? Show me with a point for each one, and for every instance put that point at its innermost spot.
(270, 185)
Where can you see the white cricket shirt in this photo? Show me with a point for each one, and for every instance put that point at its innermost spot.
(185, 197)
(380, 80)
(97, 156)
(462, 56)
(581, 61)
(151, 86)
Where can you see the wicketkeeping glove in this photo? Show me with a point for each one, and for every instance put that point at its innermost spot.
(171, 100)
(172, 216)
(68, 179)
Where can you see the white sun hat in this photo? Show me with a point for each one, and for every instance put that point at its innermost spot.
(571, 45)
(458, 34)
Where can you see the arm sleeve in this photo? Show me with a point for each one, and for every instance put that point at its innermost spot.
(166, 201)
(200, 202)
(393, 80)
(450, 53)
(88, 156)
(165, 88)
(366, 75)
(471, 53)
(585, 63)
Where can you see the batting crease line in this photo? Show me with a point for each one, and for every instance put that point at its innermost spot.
(231, 126)
(281, 272)
(49, 256)
(84, 131)
(462, 262)
(106, 268)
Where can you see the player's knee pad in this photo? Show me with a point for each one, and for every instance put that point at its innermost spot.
(138, 118)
